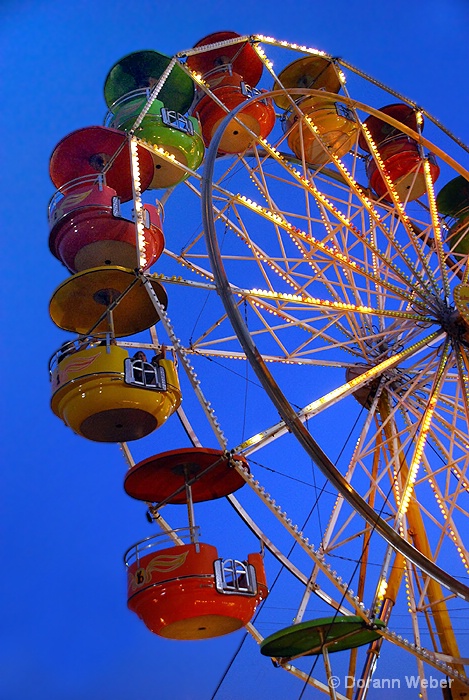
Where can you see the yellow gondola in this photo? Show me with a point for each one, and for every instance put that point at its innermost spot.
(82, 302)
(105, 396)
(326, 126)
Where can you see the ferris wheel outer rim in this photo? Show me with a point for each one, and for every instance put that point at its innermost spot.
(277, 397)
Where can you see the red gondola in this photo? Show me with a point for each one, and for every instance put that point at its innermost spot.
(97, 150)
(241, 57)
(164, 476)
(401, 155)
(88, 230)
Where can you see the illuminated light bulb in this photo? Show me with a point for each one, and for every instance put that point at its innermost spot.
(383, 585)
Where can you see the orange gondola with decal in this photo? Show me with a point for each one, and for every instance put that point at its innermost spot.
(188, 592)
(177, 585)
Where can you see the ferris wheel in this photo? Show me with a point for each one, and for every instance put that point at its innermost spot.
(302, 285)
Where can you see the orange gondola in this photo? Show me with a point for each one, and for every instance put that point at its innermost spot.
(231, 72)
(336, 130)
(257, 119)
(187, 592)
